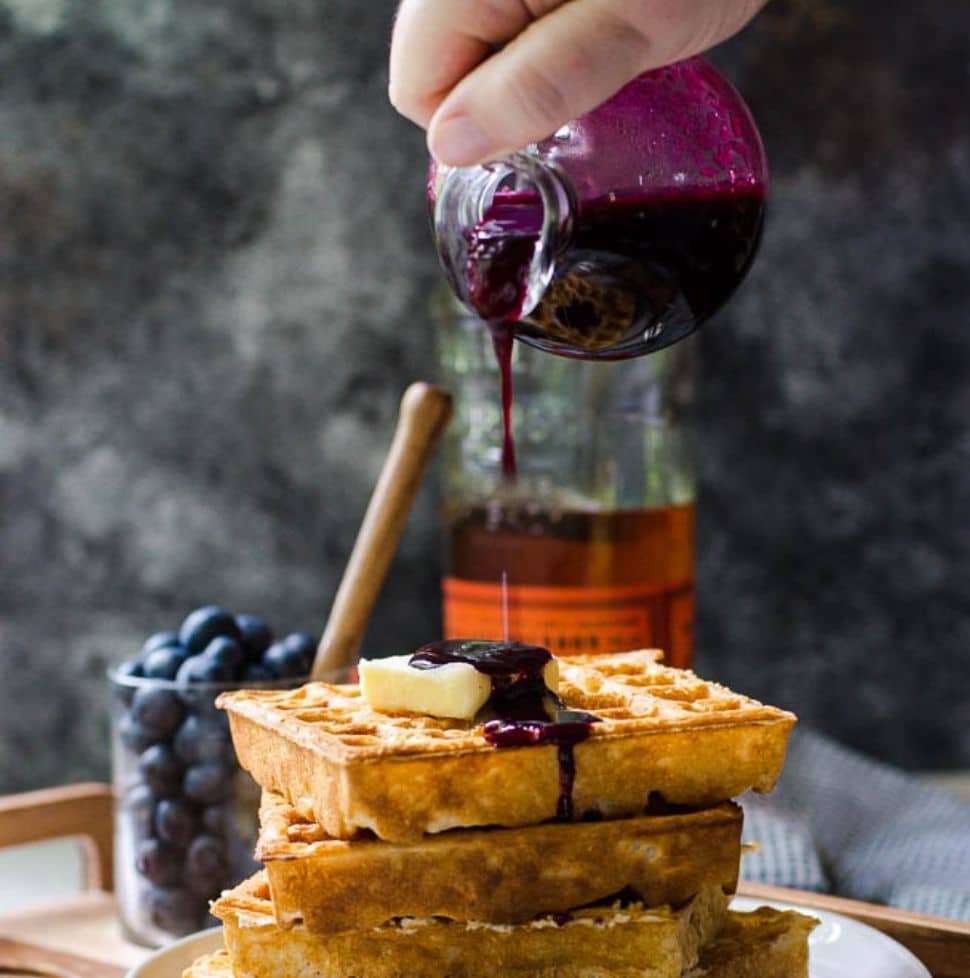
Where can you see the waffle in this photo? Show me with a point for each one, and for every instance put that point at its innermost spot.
(664, 730)
(765, 943)
(600, 942)
(501, 876)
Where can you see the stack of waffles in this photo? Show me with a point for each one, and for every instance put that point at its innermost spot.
(399, 845)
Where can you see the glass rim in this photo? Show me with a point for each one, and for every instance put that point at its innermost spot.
(334, 677)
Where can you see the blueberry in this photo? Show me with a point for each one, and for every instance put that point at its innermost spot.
(207, 866)
(164, 663)
(160, 640)
(203, 625)
(199, 669)
(302, 643)
(200, 702)
(175, 910)
(138, 807)
(208, 783)
(227, 652)
(158, 711)
(176, 822)
(217, 819)
(130, 667)
(161, 770)
(286, 662)
(257, 636)
(202, 739)
(134, 736)
(158, 863)
(255, 673)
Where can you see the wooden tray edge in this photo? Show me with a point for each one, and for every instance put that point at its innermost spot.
(943, 945)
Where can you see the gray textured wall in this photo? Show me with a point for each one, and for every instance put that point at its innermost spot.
(214, 270)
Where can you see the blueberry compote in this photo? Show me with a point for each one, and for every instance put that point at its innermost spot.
(503, 337)
(636, 272)
(635, 267)
(500, 251)
(521, 711)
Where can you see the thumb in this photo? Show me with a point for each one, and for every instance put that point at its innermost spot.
(568, 62)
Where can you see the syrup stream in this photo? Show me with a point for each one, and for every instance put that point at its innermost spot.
(503, 337)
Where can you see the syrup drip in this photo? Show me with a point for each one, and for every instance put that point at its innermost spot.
(521, 711)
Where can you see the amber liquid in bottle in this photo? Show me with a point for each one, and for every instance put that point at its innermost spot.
(623, 578)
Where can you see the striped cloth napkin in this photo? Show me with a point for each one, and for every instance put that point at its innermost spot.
(841, 823)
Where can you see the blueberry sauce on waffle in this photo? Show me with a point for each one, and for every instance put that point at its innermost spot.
(521, 710)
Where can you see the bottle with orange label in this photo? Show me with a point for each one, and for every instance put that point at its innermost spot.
(590, 547)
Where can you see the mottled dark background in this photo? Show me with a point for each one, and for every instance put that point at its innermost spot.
(214, 281)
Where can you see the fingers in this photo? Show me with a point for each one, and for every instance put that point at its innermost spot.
(437, 42)
(565, 64)
(554, 70)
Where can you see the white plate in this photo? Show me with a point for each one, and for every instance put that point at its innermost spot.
(839, 947)
(171, 960)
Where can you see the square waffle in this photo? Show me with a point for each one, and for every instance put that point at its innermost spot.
(500, 876)
(763, 944)
(351, 768)
(598, 942)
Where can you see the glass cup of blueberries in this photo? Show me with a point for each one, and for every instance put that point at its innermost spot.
(186, 814)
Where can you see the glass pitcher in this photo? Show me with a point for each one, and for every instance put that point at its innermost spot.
(622, 232)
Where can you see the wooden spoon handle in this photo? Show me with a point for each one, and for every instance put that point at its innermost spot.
(425, 411)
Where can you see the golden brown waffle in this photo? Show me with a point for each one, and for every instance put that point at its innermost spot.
(763, 944)
(496, 875)
(602, 942)
(400, 775)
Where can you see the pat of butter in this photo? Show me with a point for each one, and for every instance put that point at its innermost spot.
(454, 691)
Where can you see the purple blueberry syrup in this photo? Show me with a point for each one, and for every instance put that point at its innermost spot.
(635, 267)
(521, 710)
(503, 337)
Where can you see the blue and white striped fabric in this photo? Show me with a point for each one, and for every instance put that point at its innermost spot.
(839, 822)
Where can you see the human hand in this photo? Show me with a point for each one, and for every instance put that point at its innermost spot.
(560, 59)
